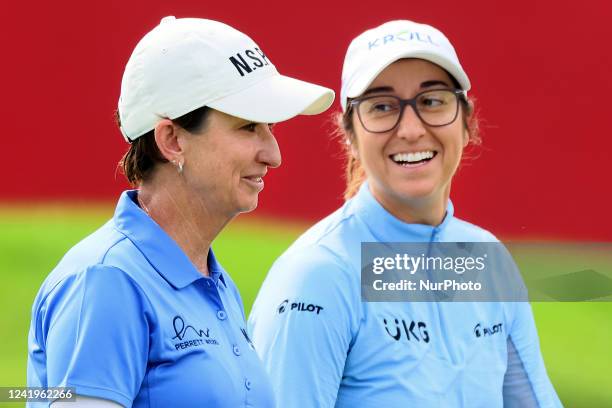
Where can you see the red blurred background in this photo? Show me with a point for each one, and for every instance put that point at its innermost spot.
(541, 74)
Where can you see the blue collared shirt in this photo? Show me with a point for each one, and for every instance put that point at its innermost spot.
(324, 347)
(127, 317)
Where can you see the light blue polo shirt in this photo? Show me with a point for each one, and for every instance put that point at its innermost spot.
(126, 316)
(324, 347)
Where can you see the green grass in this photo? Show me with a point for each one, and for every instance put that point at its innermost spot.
(575, 337)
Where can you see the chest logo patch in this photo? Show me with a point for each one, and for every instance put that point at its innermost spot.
(188, 336)
(483, 331)
(410, 330)
(286, 305)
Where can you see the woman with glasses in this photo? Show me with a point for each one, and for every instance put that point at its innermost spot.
(406, 121)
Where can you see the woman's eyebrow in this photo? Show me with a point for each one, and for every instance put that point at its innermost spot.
(428, 84)
(378, 89)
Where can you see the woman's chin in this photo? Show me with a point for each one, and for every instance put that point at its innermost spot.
(416, 191)
(249, 205)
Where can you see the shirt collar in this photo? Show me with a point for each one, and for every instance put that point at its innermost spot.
(161, 251)
(386, 227)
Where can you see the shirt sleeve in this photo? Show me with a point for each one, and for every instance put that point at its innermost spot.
(95, 332)
(526, 383)
(85, 402)
(303, 322)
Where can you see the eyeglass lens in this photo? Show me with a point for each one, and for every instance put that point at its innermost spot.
(382, 113)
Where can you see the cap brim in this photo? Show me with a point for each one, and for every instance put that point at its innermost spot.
(275, 99)
(367, 77)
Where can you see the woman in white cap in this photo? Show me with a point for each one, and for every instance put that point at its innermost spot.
(140, 313)
(406, 121)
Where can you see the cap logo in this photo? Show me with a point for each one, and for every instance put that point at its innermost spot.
(255, 58)
(401, 36)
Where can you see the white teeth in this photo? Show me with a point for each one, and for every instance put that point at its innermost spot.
(413, 156)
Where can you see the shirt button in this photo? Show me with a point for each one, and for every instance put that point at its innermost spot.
(221, 315)
(236, 350)
(247, 384)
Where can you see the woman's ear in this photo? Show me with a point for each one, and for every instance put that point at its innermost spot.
(350, 141)
(167, 139)
(468, 118)
(466, 137)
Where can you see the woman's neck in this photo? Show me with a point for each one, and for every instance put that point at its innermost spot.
(422, 210)
(189, 221)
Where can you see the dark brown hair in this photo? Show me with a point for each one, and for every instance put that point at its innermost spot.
(140, 159)
(354, 172)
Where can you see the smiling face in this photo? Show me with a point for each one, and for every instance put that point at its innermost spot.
(226, 162)
(410, 167)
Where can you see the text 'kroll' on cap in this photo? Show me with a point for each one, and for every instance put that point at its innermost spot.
(375, 49)
(186, 63)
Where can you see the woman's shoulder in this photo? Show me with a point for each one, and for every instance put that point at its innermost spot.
(323, 263)
(320, 271)
(92, 254)
(343, 227)
(96, 246)
(334, 242)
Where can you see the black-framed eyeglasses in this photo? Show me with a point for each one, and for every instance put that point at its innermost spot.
(382, 113)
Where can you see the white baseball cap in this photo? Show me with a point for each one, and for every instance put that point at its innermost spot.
(374, 50)
(184, 64)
